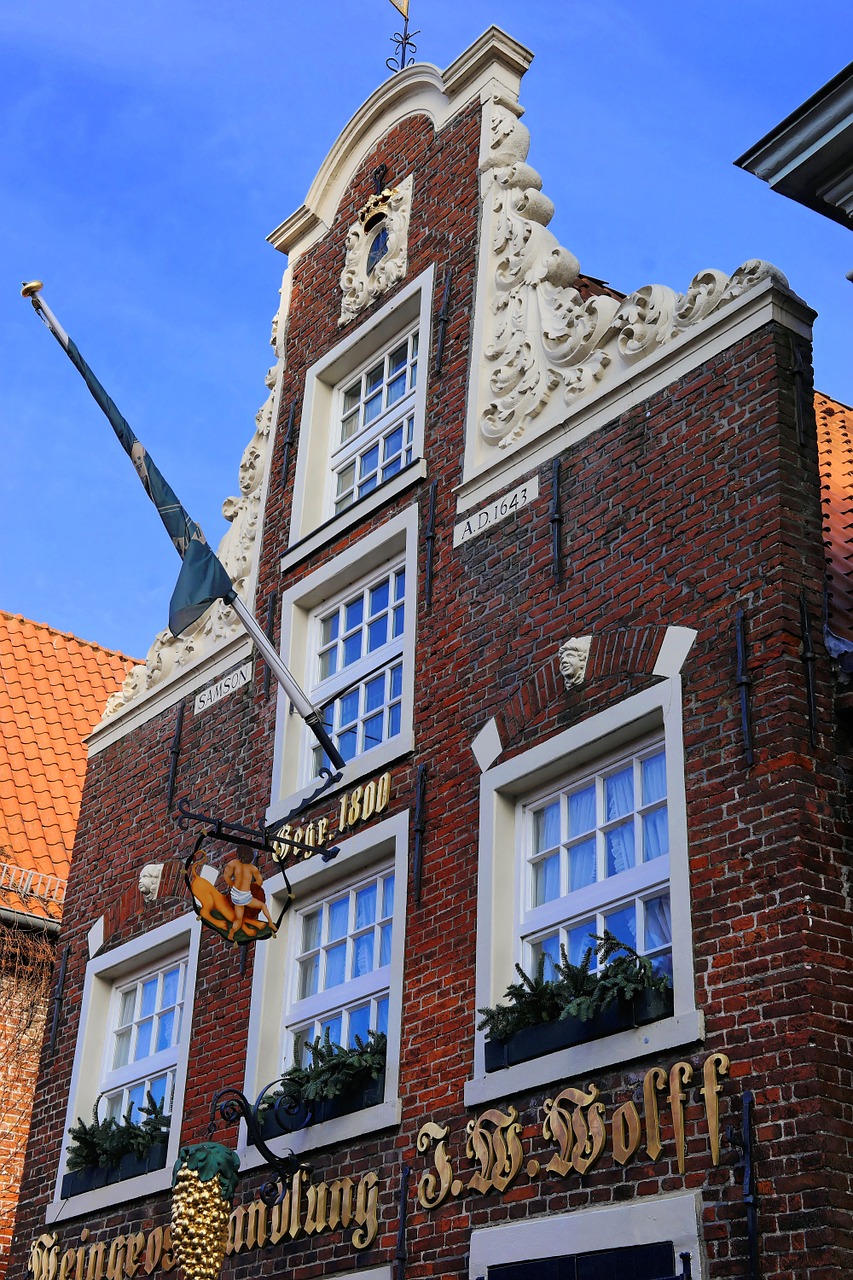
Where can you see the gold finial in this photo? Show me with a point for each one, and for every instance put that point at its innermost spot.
(31, 288)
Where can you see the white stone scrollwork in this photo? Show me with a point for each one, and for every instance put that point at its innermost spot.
(543, 344)
(170, 654)
(573, 657)
(363, 282)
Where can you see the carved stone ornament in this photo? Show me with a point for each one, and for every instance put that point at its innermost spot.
(149, 880)
(573, 657)
(544, 347)
(377, 249)
(169, 655)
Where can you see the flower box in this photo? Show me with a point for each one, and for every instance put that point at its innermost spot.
(344, 1104)
(130, 1165)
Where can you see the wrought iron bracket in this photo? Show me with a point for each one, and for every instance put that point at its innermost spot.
(744, 1142)
(174, 755)
(744, 683)
(233, 1106)
(809, 658)
(404, 43)
(401, 1253)
(419, 826)
(556, 521)
(429, 539)
(443, 317)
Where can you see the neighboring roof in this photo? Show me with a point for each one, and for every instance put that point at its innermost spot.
(53, 688)
(809, 155)
(835, 451)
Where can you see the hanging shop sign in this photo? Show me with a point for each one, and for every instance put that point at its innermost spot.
(576, 1123)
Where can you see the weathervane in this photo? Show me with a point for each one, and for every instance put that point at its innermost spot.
(402, 41)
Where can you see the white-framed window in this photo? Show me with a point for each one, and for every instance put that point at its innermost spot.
(375, 424)
(336, 964)
(586, 831)
(362, 423)
(141, 1055)
(596, 852)
(359, 664)
(341, 965)
(348, 635)
(133, 1036)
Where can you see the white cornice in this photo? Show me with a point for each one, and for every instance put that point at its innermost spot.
(421, 89)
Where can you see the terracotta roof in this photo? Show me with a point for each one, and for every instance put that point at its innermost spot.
(53, 688)
(835, 451)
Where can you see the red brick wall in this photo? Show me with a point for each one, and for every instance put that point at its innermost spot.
(697, 503)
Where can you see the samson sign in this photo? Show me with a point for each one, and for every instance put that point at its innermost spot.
(228, 684)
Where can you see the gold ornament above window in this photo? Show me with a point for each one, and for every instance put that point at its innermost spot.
(376, 249)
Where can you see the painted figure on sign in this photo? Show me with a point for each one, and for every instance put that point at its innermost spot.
(245, 887)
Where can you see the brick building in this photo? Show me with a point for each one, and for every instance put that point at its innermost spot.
(552, 559)
(53, 692)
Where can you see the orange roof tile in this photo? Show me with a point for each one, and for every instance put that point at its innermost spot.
(53, 689)
(835, 452)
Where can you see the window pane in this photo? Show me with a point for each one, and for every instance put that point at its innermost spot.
(374, 693)
(349, 426)
(372, 408)
(359, 1024)
(619, 793)
(400, 584)
(550, 948)
(620, 848)
(655, 834)
(658, 931)
(365, 906)
(382, 1015)
(377, 634)
(373, 378)
(546, 880)
(310, 930)
(393, 721)
(328, 663)
(362, 952)
(348, 744)
(379, 598)
(654, 778)
(128, 1003)
(546, 828)
(135, 1100)
(171, 979)
(112, 1111)
(399, 621)
(338, 918)
(332, 1026)
(396, 682)
(388, 896)
(354, 613)
(582, 869)
(396, 389)
(582, 811)
(165, 1028)
(398, 358)
(149, 998)
(352, 397)
(384, 945)
(122, 1050)
(373, 731)
(393, 443)
(309, 976)
(157, 1089)
(335, 965)
(579, 940)
(352, 648)
(346, 479)
(143, 1039)
(623, 925)
(369, 462)
(348, 708)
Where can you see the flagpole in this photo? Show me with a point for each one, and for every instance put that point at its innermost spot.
(304, 707)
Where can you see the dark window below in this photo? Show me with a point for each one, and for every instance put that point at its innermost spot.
(636, 1262)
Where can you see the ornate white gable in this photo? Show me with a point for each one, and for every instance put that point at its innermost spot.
(382, 228)
(544, 349)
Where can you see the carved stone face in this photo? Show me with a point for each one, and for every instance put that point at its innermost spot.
(573, 656)
(149, 880)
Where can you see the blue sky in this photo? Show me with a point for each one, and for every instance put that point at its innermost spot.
(147, 150)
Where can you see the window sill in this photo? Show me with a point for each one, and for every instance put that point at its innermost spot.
(327, 532)
(114, 1193)
(593, 1055)
(357, 1124)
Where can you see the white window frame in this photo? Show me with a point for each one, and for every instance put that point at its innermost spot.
(94, 1042)
(504, 790)
(382, 845)
(319, 431)
(391, 544)
(674, 1217)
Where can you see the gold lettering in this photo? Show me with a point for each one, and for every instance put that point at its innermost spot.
(95, 1269)
(67, 1263)
(315, 1210)
(167, 1258)
(365, 1212)
(322, 830)
(383, 792)
(153, 1250)
(256, 1232)
(715, 1066)
(580, 1135)
(309, 836)
(340, 1202)
(279, 1219)
(135, 1246)
(342, 820)
(295, 1202)
(81, 1254)
(653, 1083)
(236, 1230)
(115, 1259)
(625, 1132)
(496, 1149)
(433, 1187)
(679, 1075)
(369, 802)
(354, 811)
(44, 1257)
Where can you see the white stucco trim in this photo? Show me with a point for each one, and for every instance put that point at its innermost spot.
(649, 1220)
(182, 934)
(388, 839)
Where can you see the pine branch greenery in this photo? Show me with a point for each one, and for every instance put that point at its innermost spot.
(574, 991)
(333, 1070)
(102, 1143)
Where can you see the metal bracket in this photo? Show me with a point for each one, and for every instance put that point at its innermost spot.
(744, 682)
(419, 826)
(744, 1142)
(234, 1106)
(401, 1254)
(429, 539)
(809, 657)
(556, 522)
(174, 754)
(443, 317)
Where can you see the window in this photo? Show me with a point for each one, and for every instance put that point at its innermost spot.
(337, 966)
(630, 1262)
(341, 966)
(597, 858)
(348, 635)
(362, 423)
(133, 1038)
(583, 832)
(142, 1050)
(376, 423)
(359, 670)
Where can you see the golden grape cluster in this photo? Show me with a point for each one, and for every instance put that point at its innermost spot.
(200, 1214)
